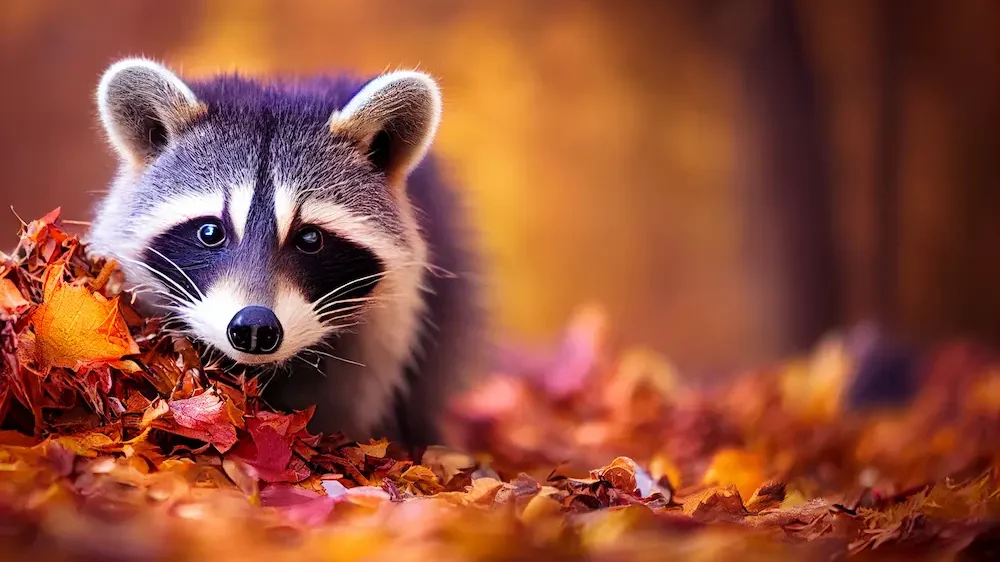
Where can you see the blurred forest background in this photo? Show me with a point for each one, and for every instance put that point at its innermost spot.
(729, 178)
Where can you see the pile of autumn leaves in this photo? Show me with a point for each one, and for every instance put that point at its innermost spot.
(117, 442)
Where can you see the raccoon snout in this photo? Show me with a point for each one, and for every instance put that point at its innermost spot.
(255, 330)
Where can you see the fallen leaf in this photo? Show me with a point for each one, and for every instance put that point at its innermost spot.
(12, 303)
(375, 448)
(768, 496)
(716, 505)
(422, 479)
(269, 452)
(201, 417)
(74, 327)
(733, 467)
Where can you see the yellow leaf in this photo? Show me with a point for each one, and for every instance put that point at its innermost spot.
(540, 507)
(422, 478)
(375, 448)
(661, 466)
(733, 467)
(156, 409)
(75, 327)
(611, 526)
(813, 387)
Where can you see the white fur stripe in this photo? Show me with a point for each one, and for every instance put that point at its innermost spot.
(209, 318)
(355, 228)
(174, 211)
(284, 211)
(240, 197)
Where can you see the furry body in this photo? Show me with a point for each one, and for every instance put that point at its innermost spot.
(379, 325)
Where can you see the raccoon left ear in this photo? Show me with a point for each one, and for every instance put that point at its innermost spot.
(393, 119)
(143, 106)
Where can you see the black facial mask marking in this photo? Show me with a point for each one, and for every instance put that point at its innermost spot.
(181, 256)
(340, 270)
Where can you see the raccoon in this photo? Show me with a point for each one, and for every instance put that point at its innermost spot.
(300, 227)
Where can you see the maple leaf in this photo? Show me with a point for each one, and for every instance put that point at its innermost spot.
(270, 452)
(76, 328)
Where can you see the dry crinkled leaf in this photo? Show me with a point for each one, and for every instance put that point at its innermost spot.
(203, 417)
(716, 505)
(422, 479)
(75, 328)
(375, 448)
(12, 303)
(768, 496)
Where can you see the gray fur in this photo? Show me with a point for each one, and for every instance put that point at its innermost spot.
(184, 147)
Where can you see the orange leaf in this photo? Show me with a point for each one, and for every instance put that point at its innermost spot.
(733, 467)
(12, 303)
(422, 478)
(662, 467)
(75, 327)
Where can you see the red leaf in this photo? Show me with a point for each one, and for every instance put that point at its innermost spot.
(270, 451)
(203, 417)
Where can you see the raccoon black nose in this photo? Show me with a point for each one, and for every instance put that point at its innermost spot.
(256, 330)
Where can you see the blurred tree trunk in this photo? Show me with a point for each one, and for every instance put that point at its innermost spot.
(887, 162)
(948, 245)
(784, 176)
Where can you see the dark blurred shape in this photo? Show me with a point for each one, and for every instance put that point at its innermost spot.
(784, 178)
(985, 547)
(887, 371)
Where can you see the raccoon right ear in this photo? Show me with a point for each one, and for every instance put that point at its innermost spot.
(143, 107)
(393, 119)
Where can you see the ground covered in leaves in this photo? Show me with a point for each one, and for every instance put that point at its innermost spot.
(118, 443)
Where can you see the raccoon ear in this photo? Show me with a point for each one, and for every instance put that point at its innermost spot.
(143, 106)
(393, 119)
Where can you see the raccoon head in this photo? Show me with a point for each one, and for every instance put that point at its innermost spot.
(265, 218)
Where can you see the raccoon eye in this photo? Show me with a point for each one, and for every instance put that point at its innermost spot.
(211, 234)
(309, 240)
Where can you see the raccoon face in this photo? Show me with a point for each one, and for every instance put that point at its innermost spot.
(264, 219)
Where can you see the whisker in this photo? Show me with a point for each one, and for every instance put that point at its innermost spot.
(161, 275)
(332, 356)
(332, 294)
(342, 317)
(332, 304)
(374, 300)
(313, 365)
(336, 327)
(186, 276)
(341, 310)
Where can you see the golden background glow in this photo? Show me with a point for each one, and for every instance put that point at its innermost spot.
(596, 142)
